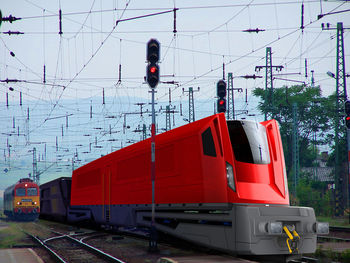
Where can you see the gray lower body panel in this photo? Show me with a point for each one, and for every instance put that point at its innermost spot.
(234, 228)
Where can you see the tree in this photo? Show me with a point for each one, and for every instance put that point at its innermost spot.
(313, 117)
(315, 194)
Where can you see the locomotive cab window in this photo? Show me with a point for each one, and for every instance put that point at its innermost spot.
(32, 191)
(249, 142)
(208, 143)
(20, 192)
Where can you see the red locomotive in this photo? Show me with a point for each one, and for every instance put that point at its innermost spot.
(220, 183)
(21, 200)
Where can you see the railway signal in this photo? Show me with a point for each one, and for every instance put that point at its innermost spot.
(221, 93)
(152, 70)
(347, 114)
(152, 75)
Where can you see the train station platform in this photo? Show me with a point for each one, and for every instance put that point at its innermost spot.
(19, 255)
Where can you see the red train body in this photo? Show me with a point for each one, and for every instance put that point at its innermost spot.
(191, 164)
(21, 200)
(219, 183)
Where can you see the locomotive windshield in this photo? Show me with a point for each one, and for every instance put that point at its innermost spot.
(32, 191)
(20, 192)
(249, 142)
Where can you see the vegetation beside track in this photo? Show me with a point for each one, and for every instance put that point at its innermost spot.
(12, 236)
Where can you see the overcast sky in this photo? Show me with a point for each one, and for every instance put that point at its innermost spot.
(84, 60)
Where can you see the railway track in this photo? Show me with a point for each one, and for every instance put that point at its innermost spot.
(65, 243)
(339, 229)
(337, 234)
(66, 248)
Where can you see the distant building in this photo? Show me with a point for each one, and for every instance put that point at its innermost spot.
(321, 172)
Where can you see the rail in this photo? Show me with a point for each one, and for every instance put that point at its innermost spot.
(86, 246)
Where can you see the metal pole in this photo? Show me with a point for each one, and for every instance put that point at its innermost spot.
(153, 234)
(153, 159)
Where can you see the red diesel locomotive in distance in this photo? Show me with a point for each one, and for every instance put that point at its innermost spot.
(21, 200)
(219, 183)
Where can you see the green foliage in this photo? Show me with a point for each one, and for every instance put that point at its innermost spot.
(346, 255)
(314, 117)
(314, 194)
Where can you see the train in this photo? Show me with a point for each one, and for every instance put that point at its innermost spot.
(219, 183)
(21, 200)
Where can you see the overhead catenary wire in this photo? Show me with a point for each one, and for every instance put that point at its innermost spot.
(132, 83)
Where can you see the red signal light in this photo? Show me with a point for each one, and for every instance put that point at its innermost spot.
(153, 70)
(221, 104)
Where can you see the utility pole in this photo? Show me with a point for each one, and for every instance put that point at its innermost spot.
(341, 187)
(144, 132)
(191, 117)
(312, 79)
(168, 110)
(35, 167)
(295, 150)
(269, 81)
(230, 97)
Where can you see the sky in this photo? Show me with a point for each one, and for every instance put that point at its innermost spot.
(68, 123)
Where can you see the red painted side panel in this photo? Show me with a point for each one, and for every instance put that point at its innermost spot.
(184, 174)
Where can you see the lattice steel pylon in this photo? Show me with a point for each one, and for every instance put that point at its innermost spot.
(167, 119)
(35, 168)
(269, 81)
(144, 132)
(269, 101)
(230, 113)
(295, 147)
(340, 191)
(191, 117)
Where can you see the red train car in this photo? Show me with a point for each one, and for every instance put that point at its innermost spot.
(21, 200)
(219, 183)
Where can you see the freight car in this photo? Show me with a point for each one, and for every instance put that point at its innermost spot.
(21, 200)
(54, 199)
(219, 183)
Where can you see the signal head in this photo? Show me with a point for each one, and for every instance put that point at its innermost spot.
(221, 89)
(153, 51)
(347, 122)
(347, 114)
(152, 75)
(347, 108)
(221, 105)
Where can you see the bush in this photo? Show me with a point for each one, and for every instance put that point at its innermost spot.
(314, 194)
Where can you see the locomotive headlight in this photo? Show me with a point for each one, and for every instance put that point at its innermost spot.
(322, 228)
(274, 228)
(18, 203)
(230, 176)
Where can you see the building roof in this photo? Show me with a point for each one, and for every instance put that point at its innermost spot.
(323, 174)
